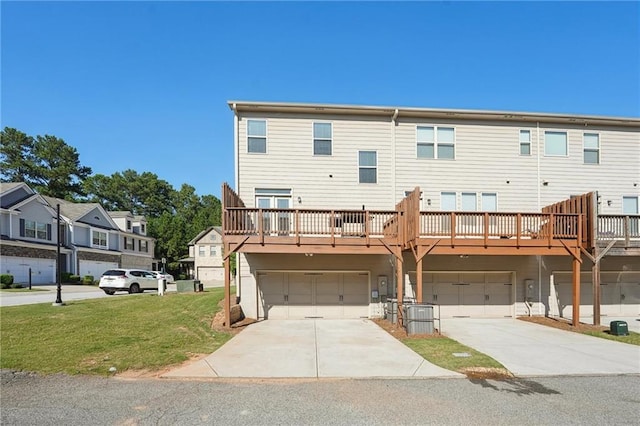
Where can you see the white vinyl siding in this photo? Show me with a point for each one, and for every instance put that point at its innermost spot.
(591, 142)
(435, 142)
(367, 165)
(322, 139)
(257, 136)
(555, 144)
(525, 142)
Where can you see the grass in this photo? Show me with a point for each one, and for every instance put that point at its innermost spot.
(440, 350)
(633, 338)
(21, 290)
(129, 333)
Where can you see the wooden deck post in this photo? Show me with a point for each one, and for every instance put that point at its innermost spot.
(227, 287)
(595, 274)
(399, 289)
(419, 280)
(576, 292)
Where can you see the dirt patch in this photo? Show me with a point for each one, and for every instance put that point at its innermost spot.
(487, 373)
(563, 324)
(400, 333)
(155, 374)
(218, 324)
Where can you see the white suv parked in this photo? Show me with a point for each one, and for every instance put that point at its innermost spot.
(131, 280)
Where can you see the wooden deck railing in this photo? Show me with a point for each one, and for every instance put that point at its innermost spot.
(498, 225)
(619, 227)
(311, 223)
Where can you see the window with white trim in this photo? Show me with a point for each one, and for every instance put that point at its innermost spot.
(555, 144)
(143, 246)
(129, 243)
(435, 142)
(33, 229)
(367, 166)
(489, 202)
(257, 136)
(591, 146)
(201, 251)
(525, 142)
(212, 250)
(99, 239)
(322, 138)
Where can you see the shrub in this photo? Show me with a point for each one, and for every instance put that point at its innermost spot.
(65, 277)
(6, 280)
(74, 278)
(87, 279)
(16, 285)
(182, 277)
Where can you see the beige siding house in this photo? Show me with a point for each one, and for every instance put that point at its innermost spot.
(205, 256)
(136, 247)
(343, 157)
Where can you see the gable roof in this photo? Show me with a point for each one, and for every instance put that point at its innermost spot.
(76, 211)
(13, 193)
(120, 213)
(198, 237)
(8, 186)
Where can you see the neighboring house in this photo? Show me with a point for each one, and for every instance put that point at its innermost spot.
(136, 247)
(91, 235)
(205, 256)
(28, 235)
(325, 222)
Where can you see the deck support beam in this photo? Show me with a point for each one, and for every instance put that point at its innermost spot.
(419, 281)
(227, 288)
(399, 289)
(576, 292)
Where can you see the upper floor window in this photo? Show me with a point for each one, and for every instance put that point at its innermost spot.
(129, 243)
(436, 142)
(257, 136)
(525, 142)
(128, 225)
(322, 138)
(143, 246)
(212, 250)
(201, 251)
(142, 228)
(367, 166)
(99, 239)
(555, 144)
(591, 143)
(33, 229)
(489, 202)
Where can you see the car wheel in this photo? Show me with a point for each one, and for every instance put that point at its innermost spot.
(110, 292)
(135, 288)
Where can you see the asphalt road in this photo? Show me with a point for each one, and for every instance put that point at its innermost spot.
(62, 400)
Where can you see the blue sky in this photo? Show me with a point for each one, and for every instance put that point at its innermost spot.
(145, 85)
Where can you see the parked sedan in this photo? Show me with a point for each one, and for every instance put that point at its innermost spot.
(129, 280)
(164, 275)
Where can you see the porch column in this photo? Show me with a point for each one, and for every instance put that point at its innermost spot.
(399, 290)
(227, 287)
(576, 292)
(419, 280)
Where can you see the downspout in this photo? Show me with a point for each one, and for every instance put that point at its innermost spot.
(538, 186)
(393, 155)
(236, 158)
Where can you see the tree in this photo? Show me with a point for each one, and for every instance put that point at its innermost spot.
(45, 163)
(142, 194)
(16, 156)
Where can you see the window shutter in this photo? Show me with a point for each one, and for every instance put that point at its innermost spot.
(22, 227)
(49, 231)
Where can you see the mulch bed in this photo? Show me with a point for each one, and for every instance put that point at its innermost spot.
(563, 324)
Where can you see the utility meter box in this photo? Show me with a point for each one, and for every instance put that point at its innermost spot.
(619, 328)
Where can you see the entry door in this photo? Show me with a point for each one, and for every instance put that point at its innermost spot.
(275, 223)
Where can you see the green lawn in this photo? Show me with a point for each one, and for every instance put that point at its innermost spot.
(22, 290)
(440, 351)
(633, 338)
(128, 332)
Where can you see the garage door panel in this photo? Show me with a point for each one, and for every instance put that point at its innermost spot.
(95, 268)
(327, 297)
(43, 271)
(473, 299)
(355, 298)
(300, 297)
(272, 290)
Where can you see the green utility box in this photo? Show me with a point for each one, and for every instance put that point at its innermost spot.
(619, 328)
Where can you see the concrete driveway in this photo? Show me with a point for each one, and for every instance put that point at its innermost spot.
(313, 349)
(528, 349)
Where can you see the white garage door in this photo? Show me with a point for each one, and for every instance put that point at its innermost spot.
(95, 268)
(295, 295)
(468, 294)
(43, 271)
(619, 293)
(210, 273)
